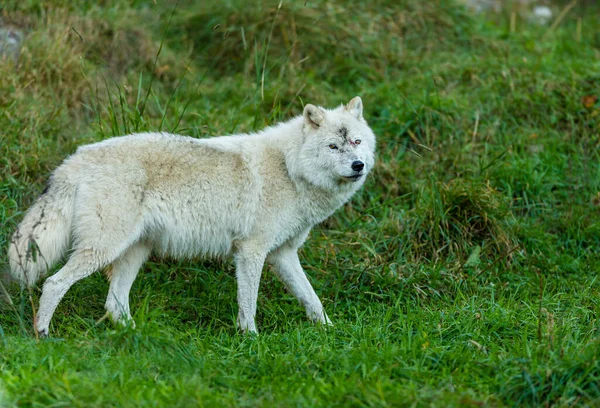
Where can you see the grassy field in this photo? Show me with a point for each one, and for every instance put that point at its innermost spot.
(463, 274)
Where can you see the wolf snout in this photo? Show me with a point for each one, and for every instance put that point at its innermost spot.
(357, 165)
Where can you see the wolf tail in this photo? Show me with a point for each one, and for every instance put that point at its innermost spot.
(43, 236)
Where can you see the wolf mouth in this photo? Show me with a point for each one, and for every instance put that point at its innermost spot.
(355, 177)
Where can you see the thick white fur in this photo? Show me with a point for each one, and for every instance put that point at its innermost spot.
(254, 197)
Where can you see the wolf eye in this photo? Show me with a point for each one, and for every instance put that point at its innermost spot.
(333, 147)
(357, 141)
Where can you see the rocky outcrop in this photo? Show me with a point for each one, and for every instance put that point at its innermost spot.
(11, 40)
(535, 11)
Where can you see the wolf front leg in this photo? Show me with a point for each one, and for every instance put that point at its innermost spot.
(249, 264)
(288, 269)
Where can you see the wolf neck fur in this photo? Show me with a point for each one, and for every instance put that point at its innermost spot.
(322, 196)
(290, 136)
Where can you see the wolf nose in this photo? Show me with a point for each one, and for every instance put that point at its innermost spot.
(357, 165)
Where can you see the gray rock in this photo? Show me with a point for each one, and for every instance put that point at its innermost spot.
(11, 40)
(536, 11)
(541, 15)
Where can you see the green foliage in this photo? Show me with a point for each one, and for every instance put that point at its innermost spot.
(463, 274)
(451, 218)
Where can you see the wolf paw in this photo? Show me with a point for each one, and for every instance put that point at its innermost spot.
(124, 321)
(320, 318)
(247, 327)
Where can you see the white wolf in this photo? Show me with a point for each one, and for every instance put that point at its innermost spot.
(254, 197)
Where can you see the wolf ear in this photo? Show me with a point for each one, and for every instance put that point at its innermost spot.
(313, 116)
(355, 107)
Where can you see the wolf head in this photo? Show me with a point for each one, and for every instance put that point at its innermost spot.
(338, 148)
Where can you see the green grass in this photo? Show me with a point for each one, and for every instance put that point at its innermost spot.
(463, 274)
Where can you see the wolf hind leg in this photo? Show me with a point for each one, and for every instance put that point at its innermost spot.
(122, 275)
(81, 264)
(102, 233)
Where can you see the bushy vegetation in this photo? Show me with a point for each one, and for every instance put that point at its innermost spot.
(463, 274)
